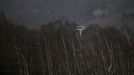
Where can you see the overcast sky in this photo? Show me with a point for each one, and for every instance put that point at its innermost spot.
(42, 11)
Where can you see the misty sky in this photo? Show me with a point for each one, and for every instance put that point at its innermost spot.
(42, 11)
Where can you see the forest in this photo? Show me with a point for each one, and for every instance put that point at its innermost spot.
(56, 48)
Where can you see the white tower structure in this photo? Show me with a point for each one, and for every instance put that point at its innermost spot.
(80, 28)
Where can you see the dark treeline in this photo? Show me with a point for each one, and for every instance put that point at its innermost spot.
(57, 49)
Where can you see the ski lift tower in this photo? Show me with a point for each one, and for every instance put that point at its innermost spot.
(80, 28)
